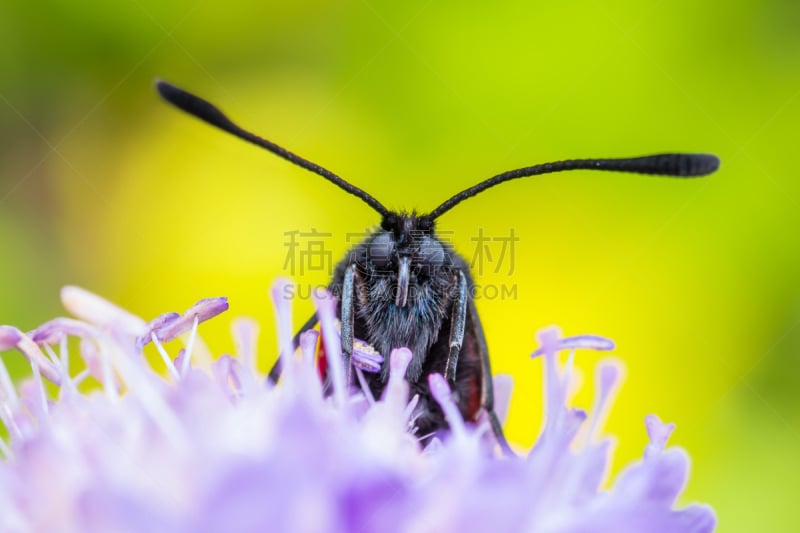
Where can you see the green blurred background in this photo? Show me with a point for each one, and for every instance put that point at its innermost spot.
(104, 186)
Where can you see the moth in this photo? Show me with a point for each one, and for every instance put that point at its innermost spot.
(403, 286)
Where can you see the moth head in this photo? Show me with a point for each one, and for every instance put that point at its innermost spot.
(407, 250)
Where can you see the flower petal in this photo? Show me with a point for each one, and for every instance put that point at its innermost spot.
(99, 311)
(228, 451)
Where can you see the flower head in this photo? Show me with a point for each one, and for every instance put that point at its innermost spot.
(213, 446)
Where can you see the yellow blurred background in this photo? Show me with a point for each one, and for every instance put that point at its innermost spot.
(104, 186)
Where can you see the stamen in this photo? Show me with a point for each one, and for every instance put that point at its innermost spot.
(11, 424)
(572, 422)
(187, 356)
(245, 338)
(568, 369)
(316, 440)
(179, 360)
(9, 337)
(107, 374)
(283, 317)
(171, 328)
(308, 345)
(9, 392)
(503, 386)
(557, 417)
(96, 310)
(4, 449)
(578, 342)
(88, 351)
(51, 355)
(308, 370)
(64, 354)
(366, 357)
(149, 397)
(56, 330)
(549, 341)
(165, 357)
(607, 380)
(326, 311)
(420, 438)
(412, 404)
(201, 354)
(554, 397)
(396, 392)
(31, 350)
(41, 394)
(221, 370)
(441, 392)
(159, 323)
(434, 446)
(364, 387)
(66, 381)
(399, 360)
(226, 377)
(80, 376)
(244, 382)
(659, 434)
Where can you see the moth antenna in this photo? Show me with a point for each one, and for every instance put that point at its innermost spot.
(675, 165)
(196, 106)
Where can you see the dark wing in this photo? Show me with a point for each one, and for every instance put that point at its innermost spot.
(477, 348)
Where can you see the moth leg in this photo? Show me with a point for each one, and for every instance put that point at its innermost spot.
(459, 320)
(348, 317)
(497, 429)
(275, 371)
(487, 394)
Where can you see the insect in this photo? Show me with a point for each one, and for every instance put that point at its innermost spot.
(405, 287)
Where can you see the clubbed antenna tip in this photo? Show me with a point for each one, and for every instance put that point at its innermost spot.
(207, 112)
(675, 165)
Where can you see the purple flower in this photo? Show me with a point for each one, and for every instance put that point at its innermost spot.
(215, 447)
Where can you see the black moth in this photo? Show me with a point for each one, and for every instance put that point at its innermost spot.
(403, 286)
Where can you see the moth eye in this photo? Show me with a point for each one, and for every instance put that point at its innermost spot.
(381, 249)
(431, 255)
